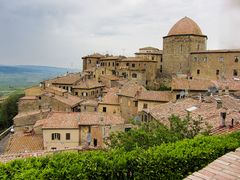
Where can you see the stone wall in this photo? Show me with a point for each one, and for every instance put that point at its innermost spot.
(177, 49)
(215, 65)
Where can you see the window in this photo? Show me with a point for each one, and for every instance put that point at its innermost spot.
(236, 59)
(217, 72)
(198, 71)
(133, 65)
(152, 57)
(95, 109)
(85, 107)
(198, 47)
(195, 58)
(102, 72)
(181, 48)
(39, 97)
(104, 109)
(68, 136)
(205, 59)
(76, 93)
(136, 104)
(55, 136)
(235, 72)
(161, 58)
(117, 64)
(109, 64)
(89, 61)
(134, 75)
(160, 68)
(113, 64)
(127, 64)
(145, 106)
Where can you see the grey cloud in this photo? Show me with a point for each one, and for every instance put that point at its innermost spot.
(59, 32)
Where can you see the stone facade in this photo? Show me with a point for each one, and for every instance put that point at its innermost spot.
(215, 65)
(177, 49)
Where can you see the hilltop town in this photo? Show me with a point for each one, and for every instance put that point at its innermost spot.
(80, 110)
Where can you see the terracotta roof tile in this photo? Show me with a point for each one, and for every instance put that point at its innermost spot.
(90, 102)
(111, 97)
(28, 98)
(206, 110)
(162, 96)
(20, 142)
(88, 84)
(94, 55)
(110, 77)
(69, 99)
(136, 59)
(131, 89)
(69, 79)
(185, 26)
(63, 120)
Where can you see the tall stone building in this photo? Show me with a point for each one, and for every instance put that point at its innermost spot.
(183, 38)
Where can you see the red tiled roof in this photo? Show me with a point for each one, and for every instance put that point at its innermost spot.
(69, 79)
(111, 97)
(95, 55)
(28, 98)
(68, 99)
(162, 96)
(131, 89)
(90, 102)
(88, 84)
(20, 142)
(63, 120)
(225, 167)
(206, 110)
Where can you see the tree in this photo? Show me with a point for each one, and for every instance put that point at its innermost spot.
(153, 133)
(8, 110)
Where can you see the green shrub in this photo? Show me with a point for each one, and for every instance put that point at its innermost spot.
(167, 161)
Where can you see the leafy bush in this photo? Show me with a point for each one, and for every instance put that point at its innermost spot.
(167, 161)
(154, 133)
(8, 110)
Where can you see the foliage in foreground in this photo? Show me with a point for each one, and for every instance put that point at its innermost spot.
(8, 110)
(167, 161)
(154, 133)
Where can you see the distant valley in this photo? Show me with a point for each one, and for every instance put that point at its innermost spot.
(13, 78)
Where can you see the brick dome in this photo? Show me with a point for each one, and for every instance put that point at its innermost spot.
(185, 26)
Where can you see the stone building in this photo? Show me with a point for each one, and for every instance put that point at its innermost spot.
(69, 130)
(152, 54)
(91, 61)
(128, 95)
(215, 64)
(88, 89)
(110, 102)
(149, 99)
(182, 39)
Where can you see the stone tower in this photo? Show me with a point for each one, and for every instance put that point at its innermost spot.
(183, 38)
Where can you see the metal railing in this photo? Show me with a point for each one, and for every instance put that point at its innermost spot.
(5, 133)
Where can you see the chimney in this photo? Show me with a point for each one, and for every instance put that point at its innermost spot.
(223, 118)
(219, 103)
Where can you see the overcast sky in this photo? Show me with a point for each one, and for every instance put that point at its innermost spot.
(60, 32)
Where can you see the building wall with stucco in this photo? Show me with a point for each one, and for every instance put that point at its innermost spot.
(88, 93)
(110, 108)
(215, 65)
(128, 107)
(63, 143)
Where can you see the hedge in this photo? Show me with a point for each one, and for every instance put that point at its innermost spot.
(167, 161)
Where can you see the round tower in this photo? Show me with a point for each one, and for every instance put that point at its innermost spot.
(183, 38)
